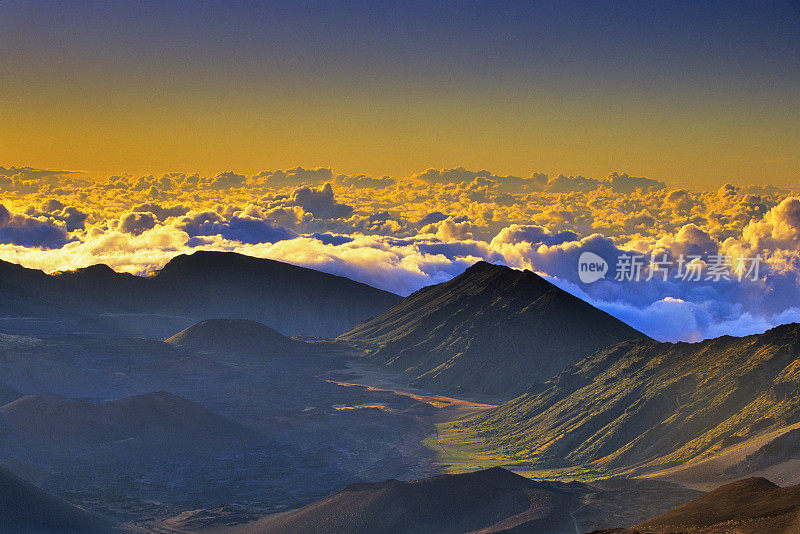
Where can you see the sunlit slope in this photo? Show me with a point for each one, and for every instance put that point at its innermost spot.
(651, 405)
(492, 330)
(750, 506)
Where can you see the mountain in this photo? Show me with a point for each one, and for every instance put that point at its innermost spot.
(493, 500)
(490, 501)
(750, 506)
(25, 508)
(648, 405)
(492, 330)
(236, 336)
(204, 285)
(150, 421)
(8, 394)
(778, 453)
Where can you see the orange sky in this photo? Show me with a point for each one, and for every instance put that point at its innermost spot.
(696, 97)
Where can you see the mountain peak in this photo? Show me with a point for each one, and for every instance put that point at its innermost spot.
(232, 335)
(483, 266)
(752, 484)
(492, 331)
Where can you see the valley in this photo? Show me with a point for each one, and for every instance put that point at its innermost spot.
(264, 432)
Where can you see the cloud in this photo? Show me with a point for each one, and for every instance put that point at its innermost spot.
(779, 229)
(137, 222)
(501, 183)
(431, 218)
(72, 217)
(227, 180)
(162, 213)
(623, 183)
(364, 182)
(241, 229)
(401, 233)
(20, 229)
(320, 202)
(292, 178)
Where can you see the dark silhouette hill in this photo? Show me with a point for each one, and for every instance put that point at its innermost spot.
(492, 330)
(493, 500)
(236, 336)
(652, 405)
(189, 288)
(749, 506)
(27, 509)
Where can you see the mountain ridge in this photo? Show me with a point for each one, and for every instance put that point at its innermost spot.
(492, 330)
(189, 288)
(645, 405)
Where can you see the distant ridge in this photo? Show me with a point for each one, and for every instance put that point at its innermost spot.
(27, 509)
(204, 285)
(492, 330)
(234, 335)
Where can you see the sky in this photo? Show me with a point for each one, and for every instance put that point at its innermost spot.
(397, 143)
(695, 93)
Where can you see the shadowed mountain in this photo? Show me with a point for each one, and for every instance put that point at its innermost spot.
(492, 330)
(234, 336)
(489, 501)
(204, 285)
(493, 500)
(652, 405)
(8, 394)
(750, 506)
(150, 421)
(25, 508)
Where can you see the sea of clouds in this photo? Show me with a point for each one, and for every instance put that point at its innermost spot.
(401, 234)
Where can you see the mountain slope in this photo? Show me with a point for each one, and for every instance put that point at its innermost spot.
(783, 451)
(750, 506)
(651, 405)
(25, 508)
(204, 285)
(8, 394)
(489, 501)
(234, 335)
(154, 420)
(492, 330)
(493, 500)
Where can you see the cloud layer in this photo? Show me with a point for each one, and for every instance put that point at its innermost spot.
(401, 234)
